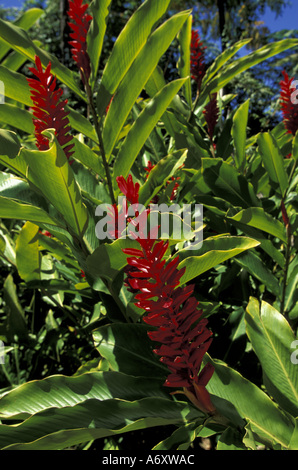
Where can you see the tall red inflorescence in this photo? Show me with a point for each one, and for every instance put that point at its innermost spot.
(211, 113)
(49, 109)
(197, 59)
(80, 23)
(289, 109)
(181, 329)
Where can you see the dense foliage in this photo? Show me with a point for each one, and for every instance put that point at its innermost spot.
(107, 338)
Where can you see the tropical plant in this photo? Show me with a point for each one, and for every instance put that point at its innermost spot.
(81, 365)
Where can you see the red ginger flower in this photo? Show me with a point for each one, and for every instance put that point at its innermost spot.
(174, 312)
(80, 23)
(197, 62)
(117, 218)
(289, 109)
(48, 108)
(211, 113)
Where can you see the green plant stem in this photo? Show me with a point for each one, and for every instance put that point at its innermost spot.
(100, 141)
(286, 268)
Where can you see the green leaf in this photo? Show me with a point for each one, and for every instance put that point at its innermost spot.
(142, 128)
(257, 268)
(230, 439)
(295, 147)
(20, 41)
(184, 38)
(56, 429)
(239, 399)
(273, 161)
(271, 337)
(107, 260)
(128, 349)
(59, 391)
(96, 33)
(10, 209)
(214, 251)
(16, 117)
(154, 84)
(27, 252)
(240, 65)
(221, 60)
(136, 78)
(52, 174)
(227, 183)
(9, 143)
(25, 21)
(294, 441)
(258, 218)
(239, 134)
(15, 324)
(127, 46)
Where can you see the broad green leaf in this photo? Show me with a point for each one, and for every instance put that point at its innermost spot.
(10, 209)
(295, 147)
(180, 439)
(239, 134)
(52, 174)
(294, 441)
(214, 251)
(271, 337)
(237, 66)
(239, 399)
(99, 10)
(258, 218)
(7, 245)
(231, 439)
(20, 41)
(257, 268)
(25, 21)
(9, 143)
(155, 83)
(60, 428)
(142, 128)
(221, 60)
(128, 349)
(184, 38)
(273, 161)
(227, 183)
(60, 391)
(107, 260)
(15, 323)
(127, 46)
(27, 252)
(16, 86)
(136, 78)
(88, 157)
(16, 117)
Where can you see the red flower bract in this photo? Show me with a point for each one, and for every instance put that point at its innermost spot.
(48, 108)
(289, 109)
(211, 113)
(197, 62)
(173, 310)
(80, 23)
